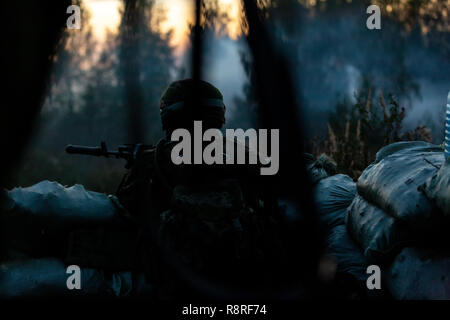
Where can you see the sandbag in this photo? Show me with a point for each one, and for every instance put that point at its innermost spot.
(332, 197)
(48, 277)
(348, 256)
(420, 274)
(378, 234)
(392, 181)
(37, 219)
(321, 168)
(437, 188)
(351, 266)
(399, 146)
(48, 198)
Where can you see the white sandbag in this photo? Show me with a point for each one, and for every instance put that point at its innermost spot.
(392, 181)
(48, 277)
(379, 235)
(38, 219)
(437, 188)
(51, 198)
(349, 258)
(351, 266)
(332, 197)
(419, 273)
(321, 168)
(399, 146)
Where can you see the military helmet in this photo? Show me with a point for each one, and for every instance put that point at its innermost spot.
(208, 106)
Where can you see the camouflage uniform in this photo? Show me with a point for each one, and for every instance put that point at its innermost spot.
(203, 222)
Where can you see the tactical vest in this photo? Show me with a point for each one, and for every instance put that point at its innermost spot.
(205, 222)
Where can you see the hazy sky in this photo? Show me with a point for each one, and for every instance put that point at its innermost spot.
(225, 70)
(105, 15)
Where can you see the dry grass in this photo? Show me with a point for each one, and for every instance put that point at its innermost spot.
(355, 137)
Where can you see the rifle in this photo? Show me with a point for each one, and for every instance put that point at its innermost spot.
(129, 152)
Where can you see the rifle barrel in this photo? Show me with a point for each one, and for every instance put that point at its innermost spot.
(92, 151)
(126, 152)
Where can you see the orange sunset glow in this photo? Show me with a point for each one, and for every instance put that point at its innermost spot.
(105, 15)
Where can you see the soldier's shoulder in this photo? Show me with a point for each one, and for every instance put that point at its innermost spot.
(149, 153)
(146, 159)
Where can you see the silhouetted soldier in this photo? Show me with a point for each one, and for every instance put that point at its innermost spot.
(206, 224)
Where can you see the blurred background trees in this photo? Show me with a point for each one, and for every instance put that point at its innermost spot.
(87, 103)
(360, 89)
